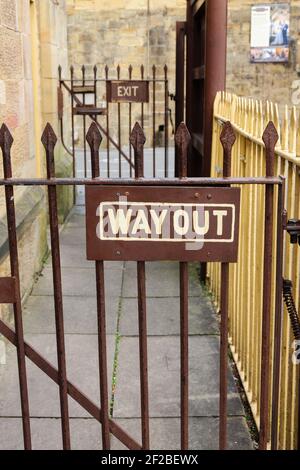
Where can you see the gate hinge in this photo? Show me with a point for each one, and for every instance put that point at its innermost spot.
(292, 226)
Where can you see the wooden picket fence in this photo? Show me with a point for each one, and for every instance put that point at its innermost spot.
(249, 118)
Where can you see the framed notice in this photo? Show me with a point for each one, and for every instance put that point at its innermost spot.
(270, 28)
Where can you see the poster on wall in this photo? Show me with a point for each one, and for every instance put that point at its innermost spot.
(270, 28)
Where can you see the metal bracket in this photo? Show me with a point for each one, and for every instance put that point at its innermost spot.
(292, 226)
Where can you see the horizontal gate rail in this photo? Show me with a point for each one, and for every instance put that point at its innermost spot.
(59, 375)
(277, 180)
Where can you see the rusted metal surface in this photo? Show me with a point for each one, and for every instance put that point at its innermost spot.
(119, 126)
(166, 122)
(8, 290)
(182, 141)
(183, 190)
(270, 138)
(278, 317)
(180, 70)
(173, 241)
(137, 140)
(262, 181)
(127, 91)
(94, 139)
(154, 119)
(60, 103)
(130, 120)
(49, 140)
(227, 139)
(6, 142)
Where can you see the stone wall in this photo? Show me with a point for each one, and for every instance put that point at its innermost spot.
(32, 43)
(124, 32)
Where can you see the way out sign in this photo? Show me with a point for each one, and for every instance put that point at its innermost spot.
(162, 223)
(127, 91)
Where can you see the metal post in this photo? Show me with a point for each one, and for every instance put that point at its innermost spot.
(137, 140)
(227, 139)
(49, 140)
(270, 138)
(182, 140)
(6, 141)
(94, 139)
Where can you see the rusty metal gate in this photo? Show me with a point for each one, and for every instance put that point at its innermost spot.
(10, 286)
(144, 96)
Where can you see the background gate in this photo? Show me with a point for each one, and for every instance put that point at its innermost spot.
(83, 97)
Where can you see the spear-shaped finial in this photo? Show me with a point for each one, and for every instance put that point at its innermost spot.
(94, 139)
(182, 141)
(49, 140)
(270, 138)
(137, 140)
(227, 139)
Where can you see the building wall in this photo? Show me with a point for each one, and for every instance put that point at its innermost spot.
(275, 82)
(32, 42)
(124, 32)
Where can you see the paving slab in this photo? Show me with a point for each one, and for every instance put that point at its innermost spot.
(162, 280)
(82, 370)
(74, 256)
(164, 378)
(80, 315)
(79, 282)
(203, 433)
(163, 317)
(46, 434)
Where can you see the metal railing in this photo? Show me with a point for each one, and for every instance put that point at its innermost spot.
(248, 118)
(273, 187)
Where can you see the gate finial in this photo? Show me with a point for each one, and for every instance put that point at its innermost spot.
(182, 141)
(137, 140)
(270, 138)
(94, 137)
(6, 139)
(49, 138)
(227, 136)
(227, 139)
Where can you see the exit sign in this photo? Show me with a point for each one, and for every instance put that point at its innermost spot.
(127, 91)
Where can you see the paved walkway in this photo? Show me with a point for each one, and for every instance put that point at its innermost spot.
(122, 326)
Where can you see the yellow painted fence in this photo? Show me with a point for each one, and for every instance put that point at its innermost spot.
(249, 119)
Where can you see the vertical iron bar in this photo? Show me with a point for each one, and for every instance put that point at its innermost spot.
(130, 123)
(73, 129)
(142, 105)
(119, 127)
(182, 140)
(49, 140)
(6, 141)
(227, 139)
(84, 121)
(270, 137)
(137, 140)
(278, 316)
(153, 119)
(107, 126)
(180, 71)
(94, 139)
(166, 122)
